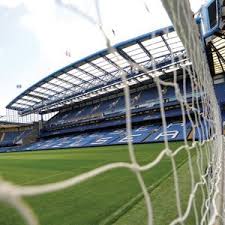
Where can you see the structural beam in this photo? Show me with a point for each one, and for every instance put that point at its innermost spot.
(102, 70)
(91, 75)
(167, 45)
(145, 50)
(48, 89)
(78, 78)
(125, 55)
(36, 96)
(57, 86)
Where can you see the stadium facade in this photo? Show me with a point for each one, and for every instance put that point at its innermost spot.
(87, 96)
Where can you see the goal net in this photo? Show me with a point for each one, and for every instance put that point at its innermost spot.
(201, 132)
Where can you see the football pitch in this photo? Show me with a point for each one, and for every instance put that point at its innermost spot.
(110, 198)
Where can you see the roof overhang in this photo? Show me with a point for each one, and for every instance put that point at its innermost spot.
(159, 52)
(215, 48)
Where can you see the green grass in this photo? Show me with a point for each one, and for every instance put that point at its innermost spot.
(112, 197)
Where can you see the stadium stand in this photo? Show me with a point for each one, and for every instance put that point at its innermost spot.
(140, 101)
(87, 97)
(9, 138)
(12, 138)
(14, 134)
(108, 113)
(175, 132)
(140, 134)
(103, 122)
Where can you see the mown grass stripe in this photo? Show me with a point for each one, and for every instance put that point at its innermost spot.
(130, 204)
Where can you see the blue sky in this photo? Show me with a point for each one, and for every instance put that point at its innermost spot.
(35, 35)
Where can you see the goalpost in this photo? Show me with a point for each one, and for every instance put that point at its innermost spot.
(202, 113)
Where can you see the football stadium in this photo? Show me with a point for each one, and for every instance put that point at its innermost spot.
(129, 135)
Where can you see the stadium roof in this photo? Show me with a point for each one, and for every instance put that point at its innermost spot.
(100, 72)
(216, 54)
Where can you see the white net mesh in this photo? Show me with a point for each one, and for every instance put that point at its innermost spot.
(205, 155)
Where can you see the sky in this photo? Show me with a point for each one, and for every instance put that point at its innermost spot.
(36, 34)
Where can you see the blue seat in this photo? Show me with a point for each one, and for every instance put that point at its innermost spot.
(174, 132)
(139, 134)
